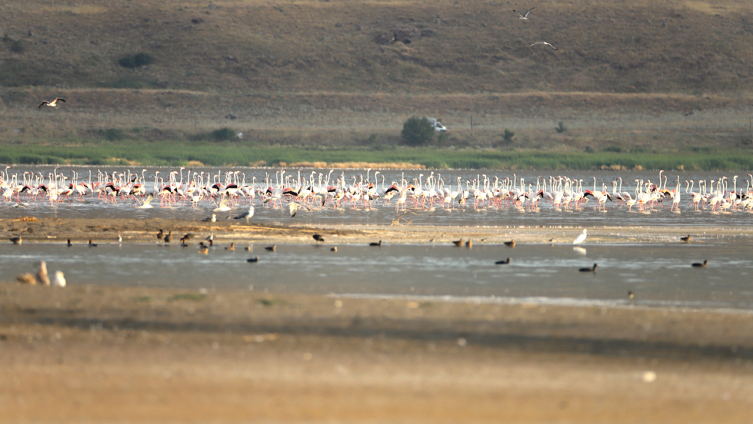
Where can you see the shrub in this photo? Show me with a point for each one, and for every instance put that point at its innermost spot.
(508, 137)
(134, 61)
(417, 131)
(114, 134)
(560, 128)
(17, 47)
(223, 134)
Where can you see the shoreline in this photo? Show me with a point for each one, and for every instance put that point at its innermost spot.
(103, 230)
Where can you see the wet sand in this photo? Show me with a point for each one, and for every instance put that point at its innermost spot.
(103, 230)
(137, 354)
(95, 353)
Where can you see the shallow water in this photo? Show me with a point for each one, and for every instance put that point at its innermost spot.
(659, 274)
(384, 213)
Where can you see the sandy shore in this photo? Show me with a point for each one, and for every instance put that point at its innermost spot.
(103, 230)
(136, 354)
(92, 353)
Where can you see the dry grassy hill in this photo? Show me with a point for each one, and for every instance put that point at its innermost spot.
(307, 65)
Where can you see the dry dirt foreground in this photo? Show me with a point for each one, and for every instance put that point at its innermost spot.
(92, 354)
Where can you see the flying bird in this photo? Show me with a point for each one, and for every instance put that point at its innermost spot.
(147, 202)
(544, 43)
(223, 205)
(524, 16)
(581, 238)
(53, 103)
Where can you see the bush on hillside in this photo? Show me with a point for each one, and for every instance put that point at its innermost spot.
(134, 61)
(223, 134)
(417, 131)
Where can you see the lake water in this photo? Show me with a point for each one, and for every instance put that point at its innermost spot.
(658, 274)
(383, 213)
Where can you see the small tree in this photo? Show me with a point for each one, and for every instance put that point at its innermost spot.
(508, 137)
(417, 131)
(560, 128)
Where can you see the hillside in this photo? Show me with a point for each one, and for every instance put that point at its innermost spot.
(314, 45)
(661, 75)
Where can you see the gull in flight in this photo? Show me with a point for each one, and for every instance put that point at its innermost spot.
(147, 203)
(53, 103)
(293, 207)
(223, 205)
(525, 15)
(544, 43)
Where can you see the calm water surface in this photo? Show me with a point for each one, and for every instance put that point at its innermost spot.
(384, 213)
(659, 274)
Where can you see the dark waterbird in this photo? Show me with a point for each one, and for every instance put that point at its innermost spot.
(505, 262)
(701, 265)
(589, 269)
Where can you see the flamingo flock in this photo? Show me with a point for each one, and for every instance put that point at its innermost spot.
(226, 191)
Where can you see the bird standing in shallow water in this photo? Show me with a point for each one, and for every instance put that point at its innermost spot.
(686, 239)
(510, 243)
(581, 238)
(318, 237)
(92, 244)
(701, 265)
(376, 244)
(16, 240)
(231, 247)
(246, 215)
(160, 235)
(505, 262)
(255, 259)
(589, 269)
(69, 243)
(458, 243)
(168, 236)
(469, 244)
(272, 248)
(334, 249)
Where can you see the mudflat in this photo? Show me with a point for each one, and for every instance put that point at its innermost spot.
(96, 353)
